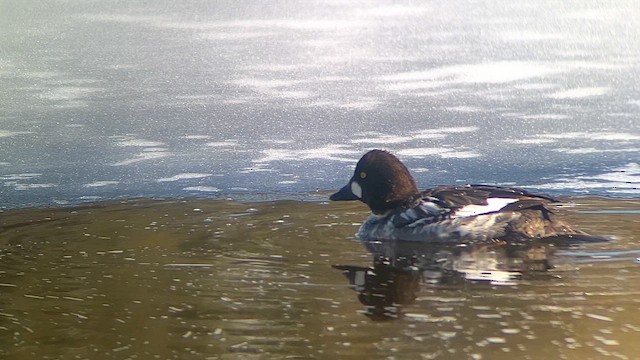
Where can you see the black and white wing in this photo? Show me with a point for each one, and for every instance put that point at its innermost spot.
(472, 200)
(450, 202)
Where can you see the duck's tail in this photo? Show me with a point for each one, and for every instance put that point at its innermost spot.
(541, 224)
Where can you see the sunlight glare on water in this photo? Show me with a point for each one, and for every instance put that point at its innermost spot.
(189, 98)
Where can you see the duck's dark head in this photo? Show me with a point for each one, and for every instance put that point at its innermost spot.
(380, 181)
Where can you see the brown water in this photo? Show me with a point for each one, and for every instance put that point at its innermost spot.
(225, 280)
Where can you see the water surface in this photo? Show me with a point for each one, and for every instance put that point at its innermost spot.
(110, 99)
(220, 279)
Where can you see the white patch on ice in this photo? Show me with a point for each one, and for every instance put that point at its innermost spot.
(592, 150)
(520, 36)
(412, 85)
(421, 152)
(23, 187)
(100, 184)
(579, 93)
(7, 133)
(328, 152)
(184, 176)
(225, 143)
(90, 198)
(155, 149)
(196, 137)
(530, 141)
(593, 136)
(301, 24)
(382, 139)
(490, 72)
(544, 117)
(235, 36)
(448, 78)
(363, 104)
(287, 182)
(202, 188)
(464, 109)
(420, 170)
(18, 177)
(600, 14)
(140, 143)
(459, 155)
(393, 11)
(257, 168)
(535, 86)
(444, 153)
(450, 130)
(278, 142)
(142, 157)
(67, 93)
(265, 84)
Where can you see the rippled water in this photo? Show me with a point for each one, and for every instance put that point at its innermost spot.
(163, 98)
(224, 280)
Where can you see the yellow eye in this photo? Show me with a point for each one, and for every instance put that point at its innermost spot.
(363, 175)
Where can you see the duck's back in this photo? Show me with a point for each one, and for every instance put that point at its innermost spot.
(471, 214)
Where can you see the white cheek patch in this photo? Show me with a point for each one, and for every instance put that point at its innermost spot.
(493, 204)
(356, 189)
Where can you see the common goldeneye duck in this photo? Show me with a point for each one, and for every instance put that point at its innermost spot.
(448, 214)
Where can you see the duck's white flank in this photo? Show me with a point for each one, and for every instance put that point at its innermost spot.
(493, 204)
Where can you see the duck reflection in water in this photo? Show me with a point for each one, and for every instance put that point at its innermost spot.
(399, 269)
